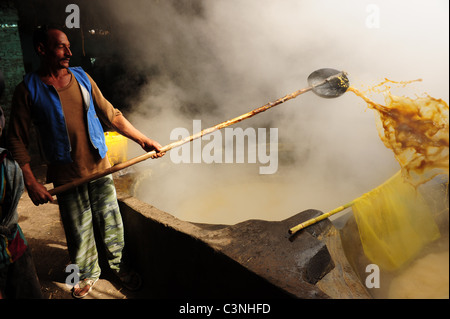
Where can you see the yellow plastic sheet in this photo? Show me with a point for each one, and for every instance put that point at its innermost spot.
(394, 223)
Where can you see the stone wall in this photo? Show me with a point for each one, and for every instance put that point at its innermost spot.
(11, 59)
(175, 262)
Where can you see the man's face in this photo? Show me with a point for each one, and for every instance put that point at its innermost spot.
(57, 51)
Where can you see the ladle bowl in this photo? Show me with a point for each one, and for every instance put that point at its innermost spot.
(328, 83)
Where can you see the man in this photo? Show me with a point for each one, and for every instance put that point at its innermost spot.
(65, 105)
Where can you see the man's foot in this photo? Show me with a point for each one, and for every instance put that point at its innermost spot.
(83, 288)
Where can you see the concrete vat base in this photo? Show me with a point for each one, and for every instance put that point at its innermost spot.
(252, 259)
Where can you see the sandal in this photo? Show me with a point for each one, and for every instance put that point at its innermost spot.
(130, 280)
(83, 288)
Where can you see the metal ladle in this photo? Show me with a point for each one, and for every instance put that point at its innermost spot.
(326, 83)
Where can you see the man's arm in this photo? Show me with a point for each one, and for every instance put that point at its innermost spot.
(17, 140)
(124, 127)
(115, 119)
(18, 133)
(37, 192)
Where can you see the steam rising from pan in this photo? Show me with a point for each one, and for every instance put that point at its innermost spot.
(213, 60)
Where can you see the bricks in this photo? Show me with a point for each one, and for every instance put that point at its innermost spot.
(11, 58)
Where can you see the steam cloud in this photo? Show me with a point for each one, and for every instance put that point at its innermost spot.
(214, 60)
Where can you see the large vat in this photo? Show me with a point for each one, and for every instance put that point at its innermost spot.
(257, 258)
(251, 259)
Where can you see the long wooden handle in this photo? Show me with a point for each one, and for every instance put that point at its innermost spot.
(168, 147)
(314, 220)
